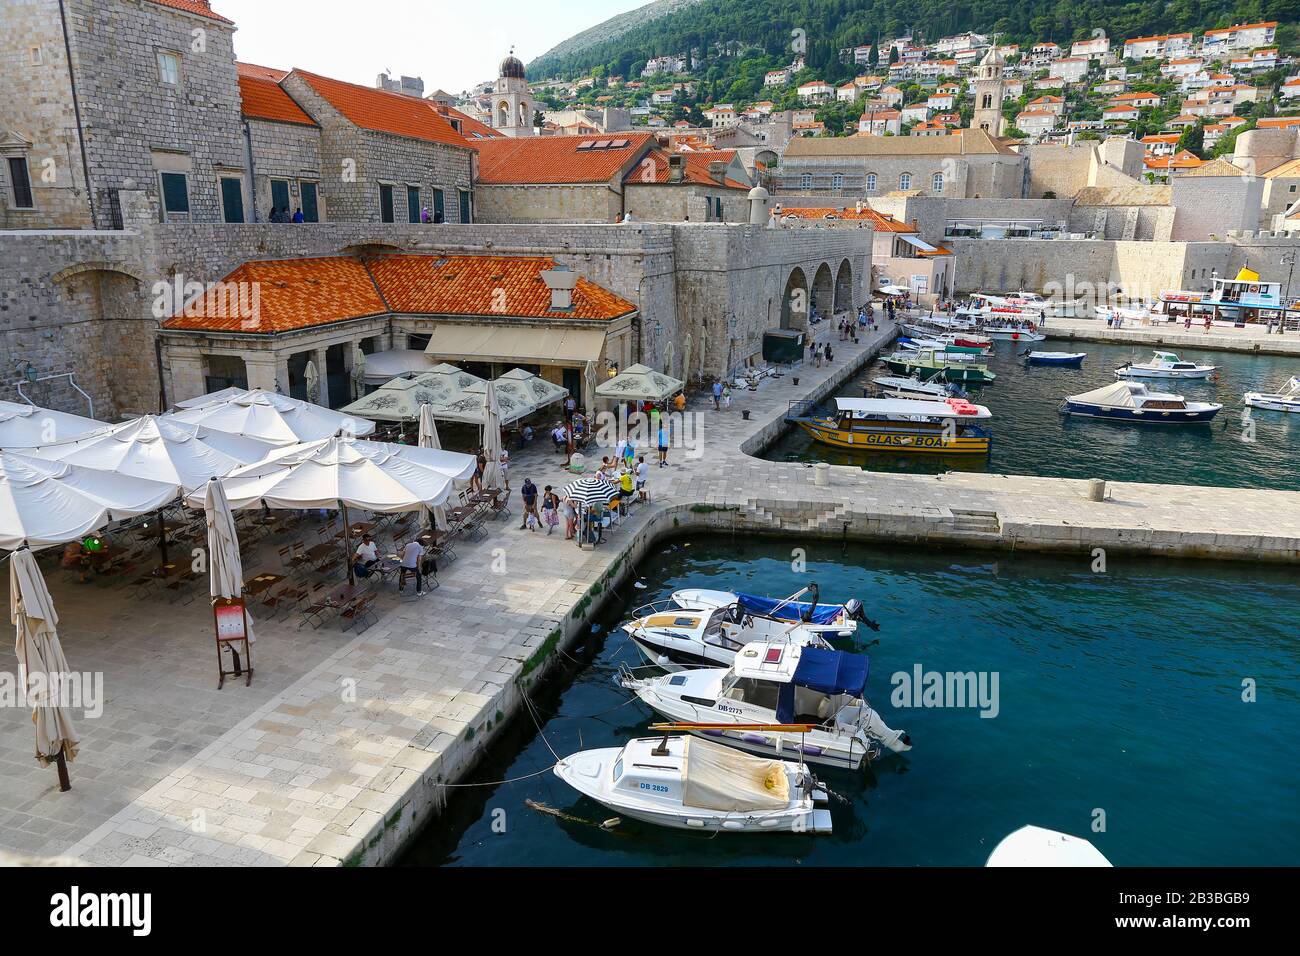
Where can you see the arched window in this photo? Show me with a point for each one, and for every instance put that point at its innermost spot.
(837, 181)
(871, 182)
(525, 117)
(987, 101)
(936, 182)
(905, 181)
(503, 114)
(805, 181)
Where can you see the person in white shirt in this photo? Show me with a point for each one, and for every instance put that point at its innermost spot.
(642, 475)
(412, 563)
(366, 558)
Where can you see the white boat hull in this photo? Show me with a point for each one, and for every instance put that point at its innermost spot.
(1138, 372)
(1274, 403)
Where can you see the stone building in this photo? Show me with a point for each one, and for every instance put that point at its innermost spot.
(141, 97)
(988, 94)
(512, 101)
(283, 145)
(968, 163)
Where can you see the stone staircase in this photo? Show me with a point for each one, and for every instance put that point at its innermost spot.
(972, 523)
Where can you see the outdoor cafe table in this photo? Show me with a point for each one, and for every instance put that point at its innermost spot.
(320, 551)
(343, 595)
(256, 585)
(357, 530)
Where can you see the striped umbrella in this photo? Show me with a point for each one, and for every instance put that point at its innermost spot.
(590, 490)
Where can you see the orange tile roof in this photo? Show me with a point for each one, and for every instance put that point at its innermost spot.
(468, 285)
(880, 221)
(199, 7)
(385, 112)
(290, 294)
(263, 98)
(1278, 122)
(1180, 160)
(558, 159)
(295, 294)
(470, 128)
(654, 168)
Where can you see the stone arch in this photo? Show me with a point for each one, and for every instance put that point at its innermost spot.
(371, 247)
(844, 287)
(95, 266)
(503, 114)
(794, 301)
(822, 297)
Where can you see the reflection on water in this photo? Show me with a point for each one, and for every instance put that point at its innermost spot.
(1031, 437)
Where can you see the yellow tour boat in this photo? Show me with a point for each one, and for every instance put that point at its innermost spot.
(897, 425)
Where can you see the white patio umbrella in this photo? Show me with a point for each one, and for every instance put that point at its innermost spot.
(399, 400)
(312, 377)
(225, 567)
(531, 392)
(147, 447)
(42, 666)
(396, 363)
(346, 473)
(213, 397)
(358, 372)
(275, 418)
(25, 426)
(641, 383)
(429, 439)
(43, 503)
(492, 477)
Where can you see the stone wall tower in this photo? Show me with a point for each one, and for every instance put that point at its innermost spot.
(512, 103)
(988, 93)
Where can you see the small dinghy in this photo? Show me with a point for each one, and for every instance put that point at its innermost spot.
(1287, 399)
(1038, 846)
(692, 784)
(1067, 359)
(1131, 402)
(1164, 365)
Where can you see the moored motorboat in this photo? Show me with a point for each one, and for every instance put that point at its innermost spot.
(930, 364)
(1012, 331)
(1286, 399)
(892, 386)
(916, 344)
(897, 424)
(1038, 846)
(778, 684)
(938, 334)
(1131, 402)
(1164, 365)
(705, 628)
(1068, 359)
(689, 783)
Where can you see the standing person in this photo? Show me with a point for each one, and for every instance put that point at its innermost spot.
(480, 465)
(570, 512)
(642, 476)
(570, 406)
(505, 468)
(829, 354)
(717, 394)
(412, 563)
(425, 216)
(529, 493)
(726, 396)
(663, 444)
(629, 453)
(297, 215)
(550, 509)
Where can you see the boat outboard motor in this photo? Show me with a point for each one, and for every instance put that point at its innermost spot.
(858, 613)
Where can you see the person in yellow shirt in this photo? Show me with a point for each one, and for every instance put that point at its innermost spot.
(679, 402)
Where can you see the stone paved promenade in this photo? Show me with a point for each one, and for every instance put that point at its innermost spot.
(338, 750)
(1172, 335)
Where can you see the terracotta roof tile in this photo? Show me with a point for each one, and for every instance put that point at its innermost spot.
(296, 294)
(288, 294)
(470, 128)
(560, 159)
(263, 98)
(199, 7)
(654, 168)
(467, 285)
(385, 112)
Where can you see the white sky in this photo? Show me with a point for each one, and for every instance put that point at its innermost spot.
(450, 45)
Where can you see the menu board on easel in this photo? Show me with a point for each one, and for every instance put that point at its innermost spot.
(231, 622)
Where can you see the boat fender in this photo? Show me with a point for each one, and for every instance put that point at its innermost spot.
(662, 660)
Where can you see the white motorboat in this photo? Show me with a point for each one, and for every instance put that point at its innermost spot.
(1038, 846)
(705, 628)
(778, 683)
(1164, 365)
(1285, 400)
(1131, 402)
(934, 333)
(694, 784)
(894, 386)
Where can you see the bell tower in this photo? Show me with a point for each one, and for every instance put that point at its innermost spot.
(512, 103)
(988, 93)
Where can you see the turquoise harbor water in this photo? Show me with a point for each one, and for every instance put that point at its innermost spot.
(1119, 692)
(1031, 437)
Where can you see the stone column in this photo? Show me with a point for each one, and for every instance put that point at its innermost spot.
(260, 368)
(318, 356)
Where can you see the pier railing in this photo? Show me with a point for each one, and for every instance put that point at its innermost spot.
(806, 408)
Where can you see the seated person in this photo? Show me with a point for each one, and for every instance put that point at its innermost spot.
(560, 437)
(366, 558)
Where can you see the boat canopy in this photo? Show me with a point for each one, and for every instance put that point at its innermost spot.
(789, 610)
(1119, 394)
(720, 778)
(825, 671)
(909, 406)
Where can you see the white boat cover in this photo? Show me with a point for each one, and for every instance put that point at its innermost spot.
(641, 383)
(272, 417)
(720, 778)
(25, 426)
(911, 406)
(43, 503)
(1116, 395)
(375, 476)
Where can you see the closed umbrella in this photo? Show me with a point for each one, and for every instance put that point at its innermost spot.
(668, 359)
(312, 377)
(429, 439)
(225, 567)
(590, 373)
(686, 358)
(492, 477)
(42, 668)
(358, 372)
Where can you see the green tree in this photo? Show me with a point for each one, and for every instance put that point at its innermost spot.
(1192, 139)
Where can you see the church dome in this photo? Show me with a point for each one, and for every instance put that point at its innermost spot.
(511, 68)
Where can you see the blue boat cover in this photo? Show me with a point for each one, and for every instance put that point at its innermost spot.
(829, 672)
(789, 610)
